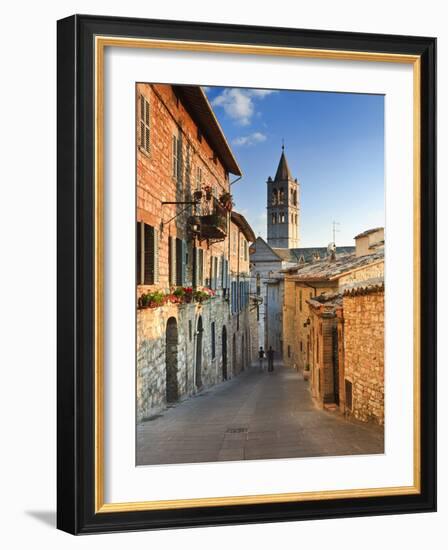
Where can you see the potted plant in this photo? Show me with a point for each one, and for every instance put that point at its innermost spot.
(226, 200)
(208, 192)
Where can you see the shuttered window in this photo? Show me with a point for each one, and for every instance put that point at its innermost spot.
(175, 157)
(138, 253)
(181, 261)
(214, 272)
(198, 266)
(172, 272)
(150, 247)
(144, 124)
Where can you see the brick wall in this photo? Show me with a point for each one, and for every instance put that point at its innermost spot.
(157, 358)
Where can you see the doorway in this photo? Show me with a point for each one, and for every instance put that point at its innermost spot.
(198, 372)
(172, 387)
(224, 352)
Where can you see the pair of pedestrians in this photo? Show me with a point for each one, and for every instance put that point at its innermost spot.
(270, 355)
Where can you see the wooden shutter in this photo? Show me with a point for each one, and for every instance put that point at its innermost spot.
(142, 121)
(200, 267)
(144, 124)
(174, 157)
(147, 125)
(195, 267)
(172, 257)
(138, 254)
(151, 253)
(181, 252)
(148, 265)
(216, 272)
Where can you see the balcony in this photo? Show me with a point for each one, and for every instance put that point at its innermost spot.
(213, 226)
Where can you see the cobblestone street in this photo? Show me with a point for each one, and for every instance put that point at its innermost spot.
(257, 415)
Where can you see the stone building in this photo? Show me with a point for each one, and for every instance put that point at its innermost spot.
(192, 258)
(283, 207)
(325, 339)
(331, 307)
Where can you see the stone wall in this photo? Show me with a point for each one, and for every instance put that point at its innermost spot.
(364, 354)
(153, 355)
(296, 313)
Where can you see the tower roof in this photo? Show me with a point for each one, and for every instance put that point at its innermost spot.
(283, 172)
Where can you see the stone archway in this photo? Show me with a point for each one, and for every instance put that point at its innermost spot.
(198, 366)
(224, 352)
(171, 338)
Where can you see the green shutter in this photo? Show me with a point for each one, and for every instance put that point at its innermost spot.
(181, 253)
(138, 254)
(172, 260)
(151, 255)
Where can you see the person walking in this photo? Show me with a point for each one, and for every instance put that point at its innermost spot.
(270, 359)
(261, 356)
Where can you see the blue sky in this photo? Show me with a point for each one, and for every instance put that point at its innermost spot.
(334, 143)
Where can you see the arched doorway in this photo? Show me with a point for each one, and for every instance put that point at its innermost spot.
(234, 354)
(172, 388)
(199, 331)
(224, 352)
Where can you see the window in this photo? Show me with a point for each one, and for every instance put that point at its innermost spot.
(198, 177)
(281, 196)
(144, 124)
(301, 346)
(177, 157)
(274, 218)
(177, 260)
(274, 197)
(198, 267)
(190, 330)
(258, 284)
(172, 260)
(234, 297)
(214, 272)
(281, 217)
(213, 340)
(147, 254)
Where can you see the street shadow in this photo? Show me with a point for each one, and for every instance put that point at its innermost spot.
(47, 517)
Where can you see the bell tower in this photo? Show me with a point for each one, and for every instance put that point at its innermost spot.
(283, 207)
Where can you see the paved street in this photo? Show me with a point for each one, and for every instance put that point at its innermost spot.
(257, 415)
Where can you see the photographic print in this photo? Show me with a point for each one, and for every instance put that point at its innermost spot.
(231, 347)
(260, 238)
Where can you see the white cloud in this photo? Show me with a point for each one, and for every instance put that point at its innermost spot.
(251, 139)
(238, 103)
(261, 93)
